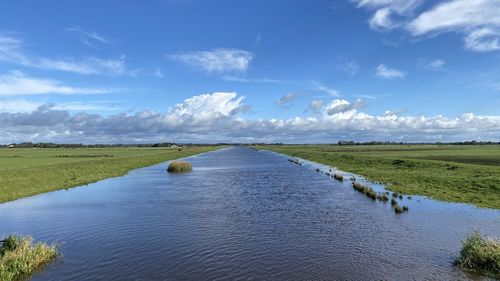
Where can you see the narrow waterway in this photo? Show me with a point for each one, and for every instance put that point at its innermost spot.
(242, 215)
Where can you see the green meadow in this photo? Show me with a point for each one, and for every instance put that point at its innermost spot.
(27, 171)
(455, 173)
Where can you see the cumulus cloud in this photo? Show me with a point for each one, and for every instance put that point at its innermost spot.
(389, 73)
(213, 118)
(342, 106)
(12, 51)
(477, 20)
(17, 83)
(216, 61)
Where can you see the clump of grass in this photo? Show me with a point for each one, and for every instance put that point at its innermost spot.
(393, 202)
(398, 209)
(383, 197)
(338, 177)
(405, 208)
(359, 186)
(400, 196)
(480, 254)
(394, 195)
(179, 167)
(371, 193)
(20, 258)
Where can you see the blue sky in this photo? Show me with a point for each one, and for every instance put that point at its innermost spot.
(291, 71)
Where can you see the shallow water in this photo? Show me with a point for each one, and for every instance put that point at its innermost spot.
(242, 214)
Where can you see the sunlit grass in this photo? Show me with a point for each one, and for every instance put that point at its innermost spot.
(480, 254)
(20, 257)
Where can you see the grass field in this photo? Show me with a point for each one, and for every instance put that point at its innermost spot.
(469, 174)
(27, 171)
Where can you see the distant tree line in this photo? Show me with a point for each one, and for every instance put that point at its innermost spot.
(80, 145)
(406, 143)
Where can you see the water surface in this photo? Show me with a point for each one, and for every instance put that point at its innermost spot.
(242, 215)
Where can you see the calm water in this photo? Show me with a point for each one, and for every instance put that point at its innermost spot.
(240, 215)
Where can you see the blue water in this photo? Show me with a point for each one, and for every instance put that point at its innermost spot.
(242, 215)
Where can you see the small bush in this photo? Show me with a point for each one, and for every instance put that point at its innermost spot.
(20, 258)
(179, 167)
(480, 254)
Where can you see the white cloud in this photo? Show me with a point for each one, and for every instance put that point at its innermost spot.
(342, 106)
(483, 40)
(477, 20)
(434, 65)
(17, 83)
(216, 61)
(388, 14)
(319, 87)
(389, 73)
(12, 51)
(288, 98)
(211, 118)
(88, 38)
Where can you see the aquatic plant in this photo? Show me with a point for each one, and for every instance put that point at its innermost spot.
(20, 258)
(359, 186)
(394, 202)
(371, 193)
(480, 254)
(383, 197)
(338, 177)
(405, 208)
(179, 167)
(398, 209)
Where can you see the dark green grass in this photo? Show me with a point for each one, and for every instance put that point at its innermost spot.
(26, 171)
(405, 168)
(480, 254)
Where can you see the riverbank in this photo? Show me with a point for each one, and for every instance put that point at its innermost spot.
(466, 174)
(25, 171)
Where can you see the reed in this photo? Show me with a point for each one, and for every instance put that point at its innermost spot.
(179, 167)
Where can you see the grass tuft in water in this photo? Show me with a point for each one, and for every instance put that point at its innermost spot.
(338, 177)
(480, 254)
(20, 258)
(398, 209)
(179, 167)
(383, 197)
(393, 202)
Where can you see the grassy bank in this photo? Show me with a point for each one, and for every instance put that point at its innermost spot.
(26, 171)
(20, 258)
(469, 174)
(480, 254)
